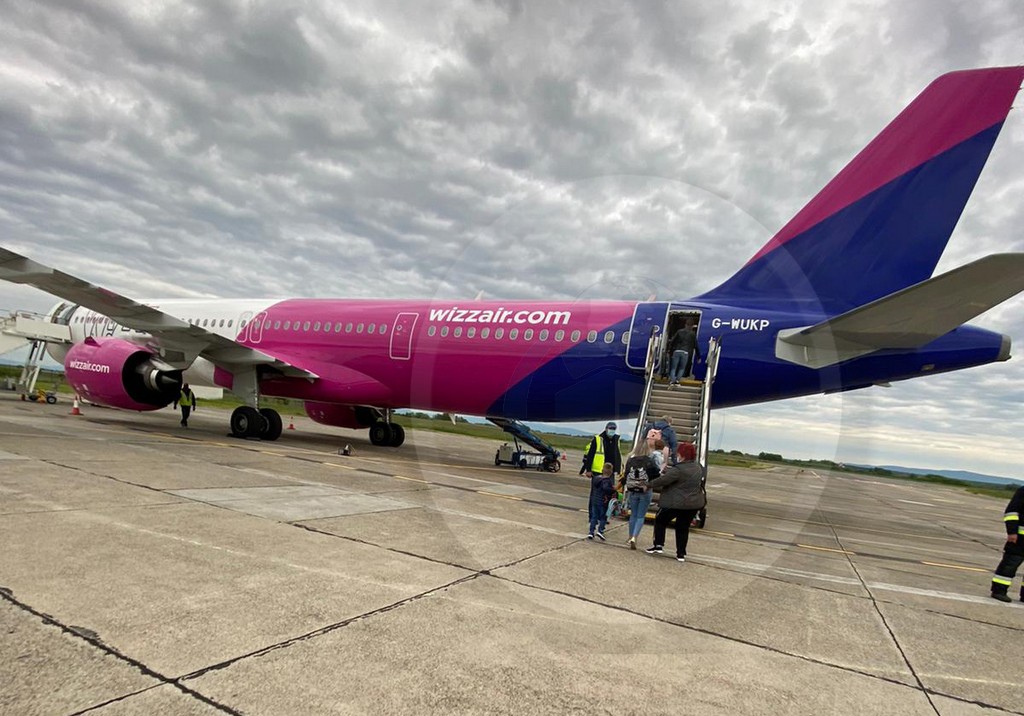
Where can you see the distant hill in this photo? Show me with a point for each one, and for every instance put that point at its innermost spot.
(955, 475)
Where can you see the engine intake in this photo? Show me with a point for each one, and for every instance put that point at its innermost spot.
(115, 372)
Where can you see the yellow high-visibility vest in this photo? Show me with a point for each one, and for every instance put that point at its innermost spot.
(598, 464)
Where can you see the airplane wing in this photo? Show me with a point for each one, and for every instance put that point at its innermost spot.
(909, 318)
(176, 342)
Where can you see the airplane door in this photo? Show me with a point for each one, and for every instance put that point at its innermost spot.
(401, 335)
(646, 316)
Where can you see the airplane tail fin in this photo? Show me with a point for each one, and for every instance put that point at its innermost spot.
(883, 222)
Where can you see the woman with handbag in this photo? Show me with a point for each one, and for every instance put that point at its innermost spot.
(682, 497)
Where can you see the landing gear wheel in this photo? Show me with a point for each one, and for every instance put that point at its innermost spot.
(246, 422)
(380, 433)
(553, 465)
(397, 435)
(51, 399)
(273, 426)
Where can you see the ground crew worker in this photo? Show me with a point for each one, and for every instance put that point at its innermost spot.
(187, 401)
(604, 447)
(1013, 550)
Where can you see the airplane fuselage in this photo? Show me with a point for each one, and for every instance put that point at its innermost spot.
(552, 361)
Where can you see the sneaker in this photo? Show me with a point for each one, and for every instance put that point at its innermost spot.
(654, 550)
(600, 535)
(1001, 596)
(590, 536)
(680, 559)
(632, 542)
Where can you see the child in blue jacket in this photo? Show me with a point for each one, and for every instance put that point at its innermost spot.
(601, 490)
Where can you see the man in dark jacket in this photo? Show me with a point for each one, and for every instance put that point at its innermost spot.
(604, 447)
(1013, 550)
(682, 497)
(683, 350)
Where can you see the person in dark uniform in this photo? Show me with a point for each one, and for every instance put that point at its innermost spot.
(1013, 550)
(187, 400)
(604, 447)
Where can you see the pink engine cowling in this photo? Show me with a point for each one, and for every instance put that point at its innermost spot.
(114, 372)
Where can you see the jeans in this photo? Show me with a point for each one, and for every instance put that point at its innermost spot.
(638, 503)
(680, 361)
(598, 516)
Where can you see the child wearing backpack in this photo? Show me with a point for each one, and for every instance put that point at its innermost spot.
(640, 471)
(601, 490)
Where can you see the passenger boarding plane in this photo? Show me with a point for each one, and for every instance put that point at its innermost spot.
(841, 298)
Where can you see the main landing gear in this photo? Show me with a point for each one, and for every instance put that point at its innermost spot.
(264, 423)
(387, 434)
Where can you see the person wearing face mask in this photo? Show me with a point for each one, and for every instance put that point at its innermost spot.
(603, 448)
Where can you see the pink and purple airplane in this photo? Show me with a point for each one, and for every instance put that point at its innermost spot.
(841, 298)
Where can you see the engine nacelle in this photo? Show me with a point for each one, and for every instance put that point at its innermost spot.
(114, 372)
(341, 416)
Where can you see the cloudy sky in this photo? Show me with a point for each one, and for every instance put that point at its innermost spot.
(525, 150)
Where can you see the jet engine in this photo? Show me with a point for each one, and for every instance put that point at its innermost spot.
(115, 372)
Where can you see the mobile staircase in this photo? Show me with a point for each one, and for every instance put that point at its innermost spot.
(21, 328)
(547, 457)
(687, 405)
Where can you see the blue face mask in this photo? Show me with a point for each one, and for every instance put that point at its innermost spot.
(611, 433)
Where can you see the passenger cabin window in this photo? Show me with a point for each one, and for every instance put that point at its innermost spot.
(609, 336)
(484, 332)
(559, 336)
(232, 320)
(316, 326)
(287, 325)
(305, 326)
(513, 333)
(444, 331)
(383, 328)
(359, 328)
(543, 334)
(371, 328)
(470, 332)
(528, 334)
(432, 330)
(337, 328)
(592, 337)
(457, 332)
(499, 333)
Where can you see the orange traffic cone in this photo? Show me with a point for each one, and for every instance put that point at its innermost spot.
(74, 407)
(291, 424)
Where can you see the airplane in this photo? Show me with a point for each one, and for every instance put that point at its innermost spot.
(841, 298)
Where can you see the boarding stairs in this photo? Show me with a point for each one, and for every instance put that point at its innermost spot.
(549, 455)
(688, 404)
(20, 329)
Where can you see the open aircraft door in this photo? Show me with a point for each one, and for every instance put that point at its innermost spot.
(646, 317)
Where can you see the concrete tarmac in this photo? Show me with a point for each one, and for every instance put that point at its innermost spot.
(150, 569)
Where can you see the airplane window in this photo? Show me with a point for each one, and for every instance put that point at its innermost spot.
(383, 328)
(457, 332)
(609, 336)
(513, 333)
(559, 335)
(204, 322)
(484, 332)
(432, 330)
(499, 333)
(316, 327)
(544, 334)
(296, 326)
(277, 324)
(327, 327)
(337, 328)
(222, 323)
(371, 328)
(359, 328)
(241, 324)
(528, 334)
(348, 328)
(592, 337)
(305, 326)
(471, 332)
(232, 320)
(287, 325)
(444, 331)
(625, 338)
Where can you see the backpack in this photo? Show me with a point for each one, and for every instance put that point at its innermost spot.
(637, 477)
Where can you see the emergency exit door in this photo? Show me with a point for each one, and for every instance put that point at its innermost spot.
(401, 335)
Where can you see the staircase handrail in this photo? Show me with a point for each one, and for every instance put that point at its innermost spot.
(653, 348)
(714, 349)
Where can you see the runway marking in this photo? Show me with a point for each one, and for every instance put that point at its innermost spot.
(851, 581)
(956, 566)
(495, 494)
(410, 479)
(343, 467)
(825, 549)
(914, 502)
(710, 532)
